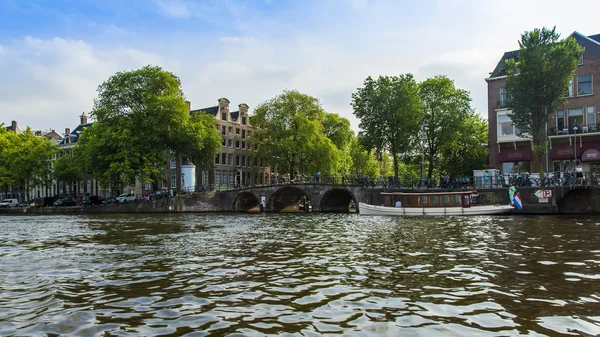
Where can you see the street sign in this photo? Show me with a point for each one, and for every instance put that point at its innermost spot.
(547, 194)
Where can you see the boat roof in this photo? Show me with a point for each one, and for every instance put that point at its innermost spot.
(429, 193)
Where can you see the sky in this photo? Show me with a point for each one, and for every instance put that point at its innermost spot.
(55, 53)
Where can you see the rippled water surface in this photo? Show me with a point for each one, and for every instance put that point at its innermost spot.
(299, 275)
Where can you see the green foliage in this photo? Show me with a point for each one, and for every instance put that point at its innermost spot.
(24, 159)
(466, 153)
(291, 135)
(389, 110)
(445, 107)
(363, 162)
(67, 169)
(141, 117)
(537, 83)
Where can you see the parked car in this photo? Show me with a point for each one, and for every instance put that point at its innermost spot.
(9, 203)
(65, 202)
(92, 200)
(126, 197)
(110, 200)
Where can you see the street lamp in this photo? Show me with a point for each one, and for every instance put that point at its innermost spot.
(575, 145)
(424, 129)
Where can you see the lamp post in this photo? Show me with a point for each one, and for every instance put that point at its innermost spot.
(575, 145)
(422, 170)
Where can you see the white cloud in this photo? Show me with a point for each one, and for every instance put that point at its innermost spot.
(174, 8)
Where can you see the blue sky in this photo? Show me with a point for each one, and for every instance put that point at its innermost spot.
(54, 54)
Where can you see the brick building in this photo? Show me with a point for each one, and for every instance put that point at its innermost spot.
(233, 165)
(573, 129)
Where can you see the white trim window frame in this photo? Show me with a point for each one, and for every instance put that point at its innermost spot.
(587, 85)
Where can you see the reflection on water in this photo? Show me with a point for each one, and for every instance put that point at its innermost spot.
(299, 275)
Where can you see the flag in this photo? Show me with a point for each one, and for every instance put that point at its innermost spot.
(517, 201)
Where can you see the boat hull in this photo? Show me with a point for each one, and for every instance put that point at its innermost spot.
(366, 209)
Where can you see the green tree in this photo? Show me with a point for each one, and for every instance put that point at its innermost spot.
(444, 109)
(363, 161)
(67, 170)
(466, 152)
(389, 110)
(24, 159)
(536, 84)
(290, 135)
(141, 118)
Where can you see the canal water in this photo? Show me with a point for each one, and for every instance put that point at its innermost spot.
(299, 275)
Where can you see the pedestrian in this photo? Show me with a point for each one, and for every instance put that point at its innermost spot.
(486, 178)
(398, 203)
(511, 193)
(318, 176)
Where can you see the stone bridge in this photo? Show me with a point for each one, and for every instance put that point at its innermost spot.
(295, 197)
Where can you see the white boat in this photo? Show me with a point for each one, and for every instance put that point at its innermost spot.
(434, 203)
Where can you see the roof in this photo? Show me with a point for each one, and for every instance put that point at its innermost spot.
(213, 110)
(595, 37)
(74, 135)
(500, 69)
(234, 115)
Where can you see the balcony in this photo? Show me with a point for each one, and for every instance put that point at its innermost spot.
(588, 128)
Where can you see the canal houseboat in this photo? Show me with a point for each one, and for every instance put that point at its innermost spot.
(433, 203)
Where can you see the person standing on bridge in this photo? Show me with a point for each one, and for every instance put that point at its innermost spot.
(318, 176)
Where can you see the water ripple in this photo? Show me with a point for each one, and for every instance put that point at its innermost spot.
(290, 275)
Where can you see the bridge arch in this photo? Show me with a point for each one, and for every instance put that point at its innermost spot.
(287, 199)
(246, 202)
(337, 200)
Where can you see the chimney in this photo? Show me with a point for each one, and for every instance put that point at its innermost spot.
(13, 126)
(83, 118)
(189, 105)
(67, 131)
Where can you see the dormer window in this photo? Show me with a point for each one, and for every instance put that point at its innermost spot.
(243, 120)
(223, 116)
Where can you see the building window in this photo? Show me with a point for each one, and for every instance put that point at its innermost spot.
(505, 126)
(223, 158)
(230, 129)
(237, 131)
(580, 63)
(237, 144)
(173, 163)
(217, 177)
(243, 133)
(570, 90)
(502, 101)
(230, 159)
(223, 142)
(560, 120)
(223, 116)
(591, 116)
(217, 159)
(173, 180)
(243, 120)
(584, 85)
(237, 160)
(231, 143)
(243, 145)
(575, 118)
(223, 130)
(243, 160)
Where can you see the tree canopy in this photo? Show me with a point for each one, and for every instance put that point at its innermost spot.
(536, 83)
(466, 152)
(292, 135)
(24, 159)
(390, 114)
(141, 117)
(444, 109)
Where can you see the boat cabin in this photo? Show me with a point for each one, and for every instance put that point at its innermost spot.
(424, 200)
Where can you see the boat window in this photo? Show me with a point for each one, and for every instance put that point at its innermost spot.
(388, 200)
(408, 201)
(434, 200)
(423, 200)
(445, 200)
(456, 200)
